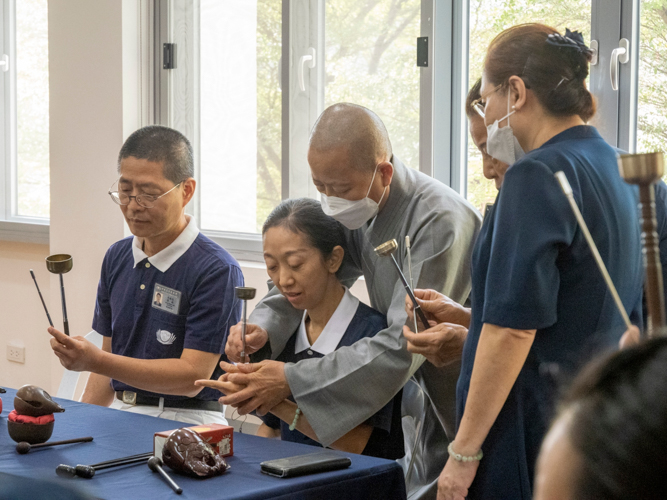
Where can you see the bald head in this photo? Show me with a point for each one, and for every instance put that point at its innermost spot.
(355, 129)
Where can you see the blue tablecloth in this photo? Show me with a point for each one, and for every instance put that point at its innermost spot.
(118, 434)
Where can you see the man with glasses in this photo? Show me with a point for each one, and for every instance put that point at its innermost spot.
(165, 300)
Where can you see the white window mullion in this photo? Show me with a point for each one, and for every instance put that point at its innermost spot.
(8, 139)
(306, 89)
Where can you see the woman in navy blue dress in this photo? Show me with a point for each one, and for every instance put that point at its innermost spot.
(303, 250)
(539, 304)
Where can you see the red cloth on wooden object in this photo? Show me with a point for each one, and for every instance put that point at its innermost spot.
(27, 419)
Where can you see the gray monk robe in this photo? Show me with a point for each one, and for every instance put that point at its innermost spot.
(345, 388)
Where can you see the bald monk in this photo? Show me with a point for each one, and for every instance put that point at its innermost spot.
(377, 198)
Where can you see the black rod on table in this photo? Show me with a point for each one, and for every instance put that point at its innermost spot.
(131, 457)
(23, 447)
(155, 464)
(88, 471)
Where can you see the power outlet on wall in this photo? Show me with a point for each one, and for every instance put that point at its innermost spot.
(16, 353)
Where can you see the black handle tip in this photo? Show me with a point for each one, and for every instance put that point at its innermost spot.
(85, 471)
(65, 471)
(23, 447)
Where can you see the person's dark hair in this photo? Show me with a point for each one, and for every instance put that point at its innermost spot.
(473, 95)
(305, 216)
(619, 424)
(553, 67)
(161, 144)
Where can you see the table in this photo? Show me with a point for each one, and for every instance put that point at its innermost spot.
(118, 434)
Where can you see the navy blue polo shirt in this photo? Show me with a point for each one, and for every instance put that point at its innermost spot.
(532, 269)
(366, 322)
(150, 314)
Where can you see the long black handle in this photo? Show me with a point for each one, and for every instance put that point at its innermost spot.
(166, 477)
(62, 296)
(123, 459)
(120, 463)
(48, 316)
(64, 441)
(24, 447)
(417, 309)
(88, 471)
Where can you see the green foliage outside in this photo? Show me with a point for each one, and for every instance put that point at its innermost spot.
(489, 17)
(269, 107)
(652, 112)
(370, 60)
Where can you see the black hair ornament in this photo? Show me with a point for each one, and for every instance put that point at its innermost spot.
(571, 40)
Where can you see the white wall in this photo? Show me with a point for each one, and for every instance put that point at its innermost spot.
(86, 123)
(22, 318)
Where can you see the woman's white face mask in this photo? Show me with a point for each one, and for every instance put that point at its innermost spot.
(501, 143)
(352, 214)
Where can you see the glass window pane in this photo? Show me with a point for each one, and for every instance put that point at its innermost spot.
(371, 60)
(240, 112)
(487, 19)
(652, 105)
(32, 108)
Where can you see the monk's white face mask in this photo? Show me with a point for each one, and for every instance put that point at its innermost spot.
(352, 214)
(501, 143)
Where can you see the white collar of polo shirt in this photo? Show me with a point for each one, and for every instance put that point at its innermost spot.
(166, 257)
(334, 330)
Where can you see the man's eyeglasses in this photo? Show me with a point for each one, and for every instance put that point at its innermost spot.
(143, 200)
(478, 104)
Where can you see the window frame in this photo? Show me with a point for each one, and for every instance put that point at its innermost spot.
(443, 125)
(13, 227)
(248, 246)
(612, 20)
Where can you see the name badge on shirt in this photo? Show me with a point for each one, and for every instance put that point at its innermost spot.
(166, 299)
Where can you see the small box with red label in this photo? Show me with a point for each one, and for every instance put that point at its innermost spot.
(220, 437)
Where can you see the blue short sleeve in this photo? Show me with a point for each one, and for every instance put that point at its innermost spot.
(532, 221)
(214, 309)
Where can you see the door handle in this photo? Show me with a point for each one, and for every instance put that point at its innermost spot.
(4, 62)
(594, 48)
(309, 59)
(620, 55)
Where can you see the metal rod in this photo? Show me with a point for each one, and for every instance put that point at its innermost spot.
(24, 447)
(567, 189)
(120, 463)
(406, 285)
(245, 293)
(62, 295)
(48, 316)
(412, 284)
(243, 329)
(148, 454)
(88, 471)
(155, 464)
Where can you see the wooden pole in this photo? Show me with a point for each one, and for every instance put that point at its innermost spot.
(645, 170)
